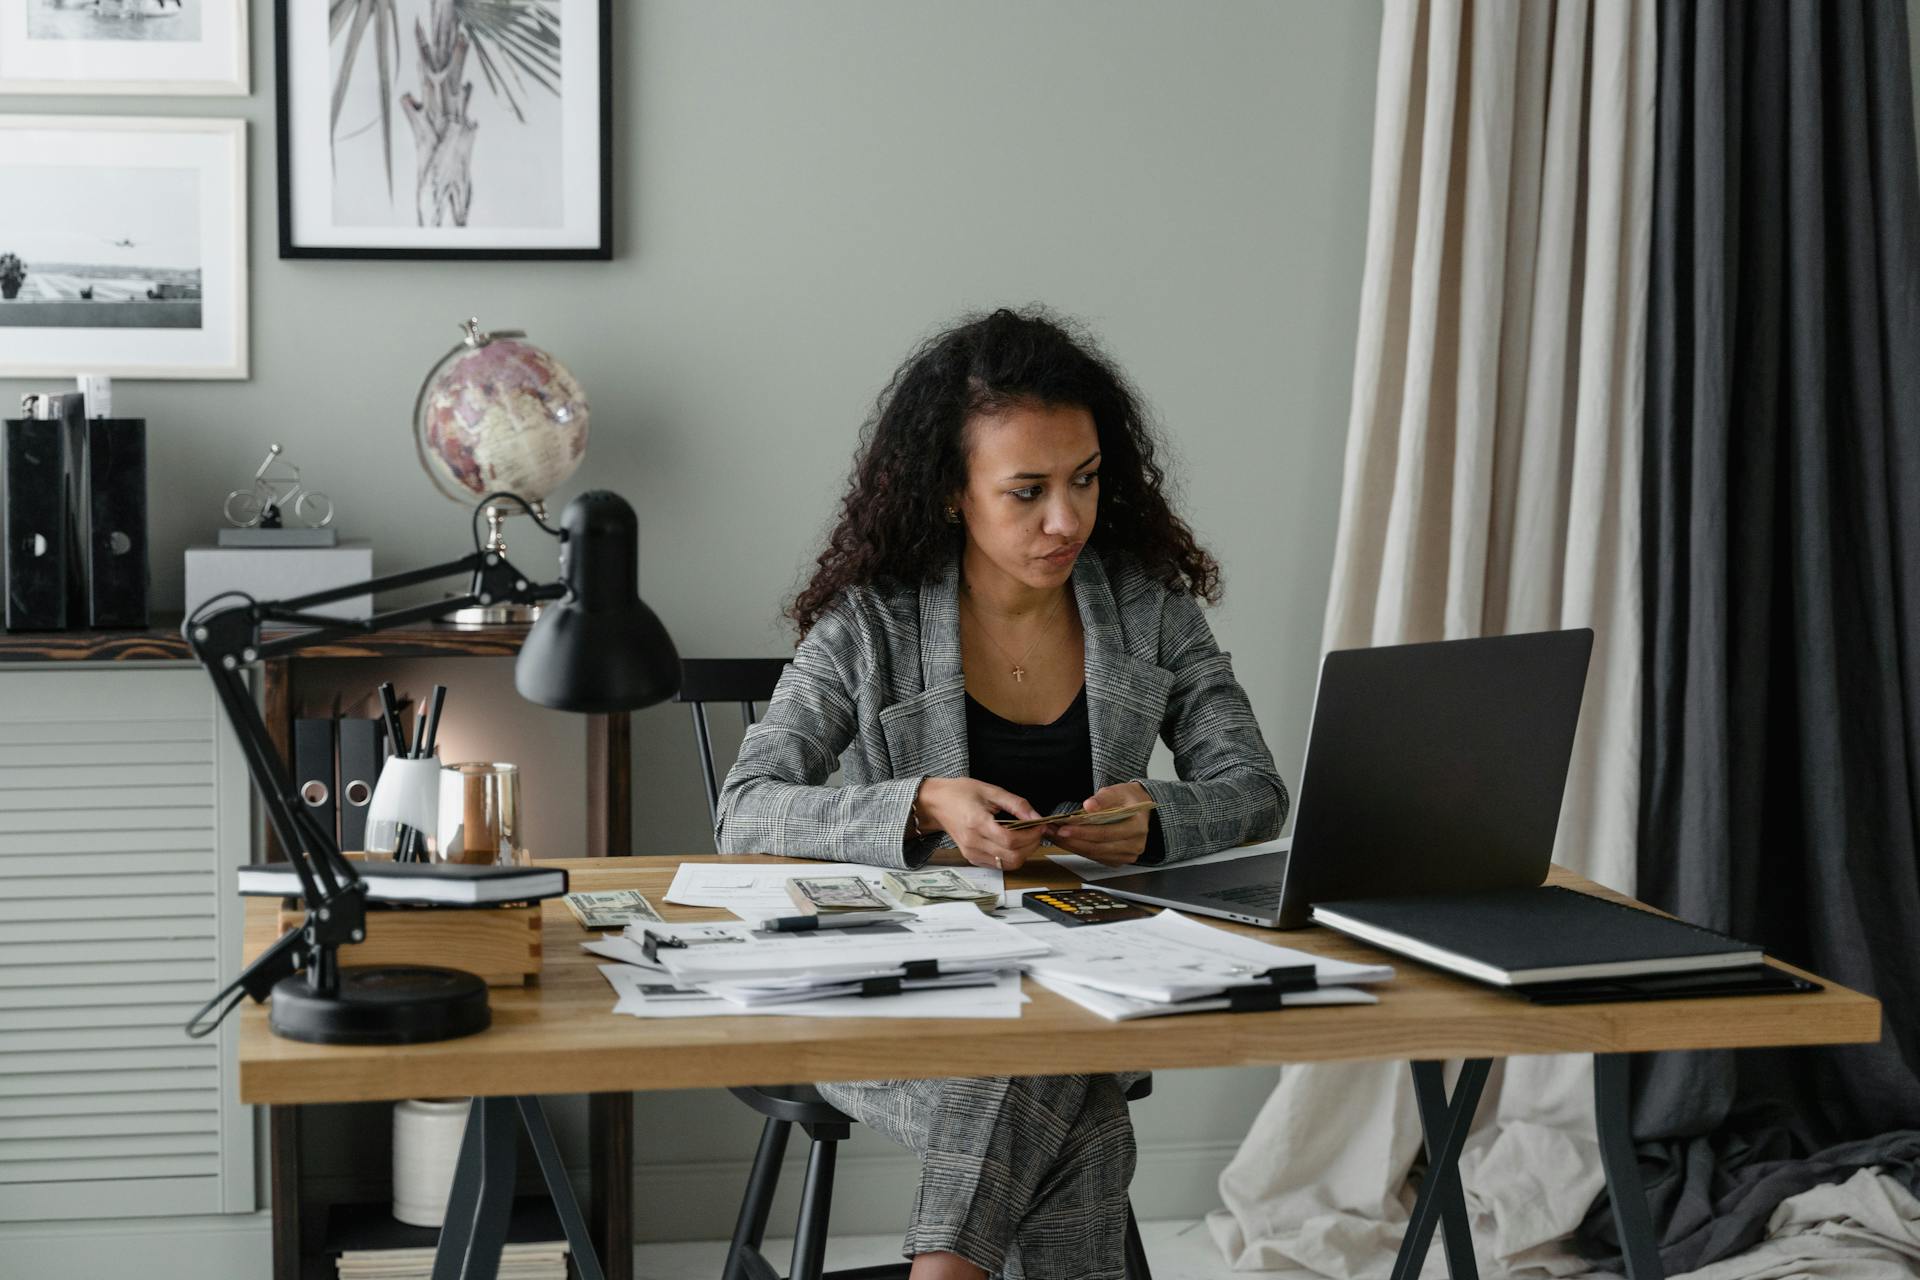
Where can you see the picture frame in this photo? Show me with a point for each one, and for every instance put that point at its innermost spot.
(515, 165)
(144, 47)
(124, 249)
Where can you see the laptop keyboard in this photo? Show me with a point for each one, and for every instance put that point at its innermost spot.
(1249, 895)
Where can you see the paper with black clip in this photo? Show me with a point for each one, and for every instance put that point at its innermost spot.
(880, 986)
(648, 993)
(955, 935)
(1172, 958)
(1119, 1008)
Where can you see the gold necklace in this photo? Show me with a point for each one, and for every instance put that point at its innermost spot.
(1020, 663)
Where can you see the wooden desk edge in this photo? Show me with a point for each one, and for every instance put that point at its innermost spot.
(608, 1054)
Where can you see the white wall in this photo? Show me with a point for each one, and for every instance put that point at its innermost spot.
(802, 192)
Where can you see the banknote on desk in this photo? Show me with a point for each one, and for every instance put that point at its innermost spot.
(829, 894)
(611, 909)
(937, 884)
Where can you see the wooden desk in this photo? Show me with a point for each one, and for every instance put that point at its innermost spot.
(559, 1036)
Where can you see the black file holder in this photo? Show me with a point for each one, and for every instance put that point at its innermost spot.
(37, 555)
(107, 486)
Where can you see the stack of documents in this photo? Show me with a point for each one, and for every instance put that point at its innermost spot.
(517, 1262)
(758, 891)
(1173, 964)
(941, 961)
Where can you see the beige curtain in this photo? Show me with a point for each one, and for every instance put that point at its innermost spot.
(1492, 486)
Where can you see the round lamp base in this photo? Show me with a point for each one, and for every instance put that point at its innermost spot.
(382, 1004)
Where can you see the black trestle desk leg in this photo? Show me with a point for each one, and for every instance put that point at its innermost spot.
(481, 1201)
(1443, 1156)
(1612, 1106)
(1430, 1092)
(751, 1228)
(586, 1262)
(816, 1203)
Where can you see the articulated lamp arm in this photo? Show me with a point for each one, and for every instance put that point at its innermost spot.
(227, 641)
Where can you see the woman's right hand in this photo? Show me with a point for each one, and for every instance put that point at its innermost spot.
(965, 809)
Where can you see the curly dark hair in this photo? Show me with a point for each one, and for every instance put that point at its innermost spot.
(892, 528)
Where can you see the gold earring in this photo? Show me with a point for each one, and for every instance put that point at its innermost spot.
(953, 514)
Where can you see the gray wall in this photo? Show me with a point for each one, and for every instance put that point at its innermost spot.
(802, 192)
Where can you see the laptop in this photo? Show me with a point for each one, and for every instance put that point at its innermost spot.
(1431, 768)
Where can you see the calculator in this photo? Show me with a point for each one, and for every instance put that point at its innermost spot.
(1082, 906)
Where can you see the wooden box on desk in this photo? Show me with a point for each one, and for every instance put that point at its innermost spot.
(500, 944)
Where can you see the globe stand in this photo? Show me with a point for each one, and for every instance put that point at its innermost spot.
(476, 617)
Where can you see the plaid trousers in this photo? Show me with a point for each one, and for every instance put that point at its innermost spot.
(1024, 1177)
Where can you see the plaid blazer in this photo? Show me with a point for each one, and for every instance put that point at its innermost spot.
(876, 687)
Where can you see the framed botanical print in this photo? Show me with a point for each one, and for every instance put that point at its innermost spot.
(123, 46)
(124, 247)
(444, 128)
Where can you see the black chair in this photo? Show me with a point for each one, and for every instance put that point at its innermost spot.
(747, 682)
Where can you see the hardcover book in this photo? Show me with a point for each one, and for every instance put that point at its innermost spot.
(1516, 937)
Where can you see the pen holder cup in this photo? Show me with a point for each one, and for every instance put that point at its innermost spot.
(406, 799)
(479, 813)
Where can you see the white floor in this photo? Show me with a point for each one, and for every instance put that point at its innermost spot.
(1177, 1250)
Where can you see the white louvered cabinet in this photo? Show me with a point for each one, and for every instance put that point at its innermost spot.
(124, 810)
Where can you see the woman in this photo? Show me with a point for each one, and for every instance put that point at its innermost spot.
(1004, 620)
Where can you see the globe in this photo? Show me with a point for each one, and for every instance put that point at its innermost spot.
(497, 413)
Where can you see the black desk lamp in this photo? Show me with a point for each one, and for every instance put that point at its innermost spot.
(599, 649)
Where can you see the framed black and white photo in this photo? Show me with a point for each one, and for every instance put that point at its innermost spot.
(444, 129)
(123, 46)
(124, 247)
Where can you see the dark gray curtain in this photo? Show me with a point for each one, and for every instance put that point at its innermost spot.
(1781, 518)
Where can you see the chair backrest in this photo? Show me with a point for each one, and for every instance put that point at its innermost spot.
(745, 681)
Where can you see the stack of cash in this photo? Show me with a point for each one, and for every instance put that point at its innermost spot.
(611, 910)
(817, 895)
(937, 884)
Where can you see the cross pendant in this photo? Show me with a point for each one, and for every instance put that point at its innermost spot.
(1019, 674)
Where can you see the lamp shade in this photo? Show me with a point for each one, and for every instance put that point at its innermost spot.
(599, 649)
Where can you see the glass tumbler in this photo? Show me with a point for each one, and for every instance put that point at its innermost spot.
(479, 813)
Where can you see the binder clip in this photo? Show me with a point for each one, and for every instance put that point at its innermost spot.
(1280, 980)
(650, 944)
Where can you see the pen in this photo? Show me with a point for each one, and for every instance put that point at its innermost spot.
(850, 920)
(390, 716)
(436, 700)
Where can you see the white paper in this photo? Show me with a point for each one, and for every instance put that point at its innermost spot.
(956, 934)
(760, 996)
(1088, 869)
(615, 946)
(759, 891)
(1119, 1008)
(1171, 957)
(641, 996)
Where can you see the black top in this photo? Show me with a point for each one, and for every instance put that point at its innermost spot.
(1051, 765)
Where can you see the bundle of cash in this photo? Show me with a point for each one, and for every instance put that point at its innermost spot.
(817, 894)
(1081, 817)
(615, 909)
(937, 884)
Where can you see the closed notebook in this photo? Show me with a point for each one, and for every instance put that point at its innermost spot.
(1514, 937)
(451, 884)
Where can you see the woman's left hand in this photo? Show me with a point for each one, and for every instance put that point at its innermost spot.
(1115, 844)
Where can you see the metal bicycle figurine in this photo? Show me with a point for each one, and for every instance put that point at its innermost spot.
(270, 496)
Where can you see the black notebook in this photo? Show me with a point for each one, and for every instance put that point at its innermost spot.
(453, 884)
(1520, 937)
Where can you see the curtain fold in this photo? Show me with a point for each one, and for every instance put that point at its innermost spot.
(1491, 486)
(1780, 798)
